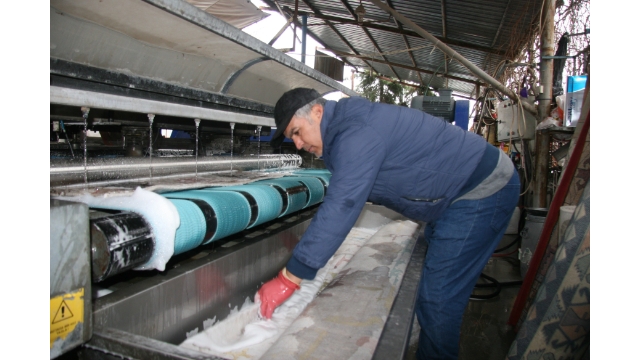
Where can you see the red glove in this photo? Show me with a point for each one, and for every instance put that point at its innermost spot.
(273, 293)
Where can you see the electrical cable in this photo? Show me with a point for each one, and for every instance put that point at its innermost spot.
(514, 146)
(508, 246)
(521, 223)
(526, 165)
(432, 76)
(493, 283)
(506, 283)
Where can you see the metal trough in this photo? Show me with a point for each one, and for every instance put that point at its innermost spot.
(149, 316)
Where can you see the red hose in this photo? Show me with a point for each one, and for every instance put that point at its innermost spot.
(549, 224)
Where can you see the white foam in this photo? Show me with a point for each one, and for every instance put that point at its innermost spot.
(157, 210)
(244, 335)
(208, 323)
(192, 332)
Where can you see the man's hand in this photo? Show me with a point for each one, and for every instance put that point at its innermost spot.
(273, 293)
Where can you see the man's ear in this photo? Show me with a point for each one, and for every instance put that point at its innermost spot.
(316, 111)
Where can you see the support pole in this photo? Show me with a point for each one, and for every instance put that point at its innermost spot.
(547, 45)
(304, 39)
(541, 175)
(295, 25)
(454, 54)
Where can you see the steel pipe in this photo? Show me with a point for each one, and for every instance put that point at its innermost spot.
(71, 171)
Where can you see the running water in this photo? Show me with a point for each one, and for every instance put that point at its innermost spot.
(151, 117)
(197, 121)
(67, 137)
(85, 115)
(232, 126)
(259, 131)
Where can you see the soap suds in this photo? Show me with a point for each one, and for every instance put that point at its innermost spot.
(192, 333)
(208, 323)
(157, 210)
(244, 335)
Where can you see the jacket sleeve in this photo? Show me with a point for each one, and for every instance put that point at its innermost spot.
(356, 156)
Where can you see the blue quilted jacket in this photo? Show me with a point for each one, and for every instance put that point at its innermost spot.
(402, 158)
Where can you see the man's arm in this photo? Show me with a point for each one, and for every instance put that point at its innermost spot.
(356, 157)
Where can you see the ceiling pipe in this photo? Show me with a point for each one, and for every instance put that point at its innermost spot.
(454, 54)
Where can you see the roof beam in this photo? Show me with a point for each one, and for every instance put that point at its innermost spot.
(333, 28)
(403, 66)
(487, 59)
(286, 12)
(404, 31)
(397, 82)
(406, 43)
(444, 32)
(373, 41)
(504, 15)
(444, 19)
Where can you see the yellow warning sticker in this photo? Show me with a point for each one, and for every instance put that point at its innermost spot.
(66, 312)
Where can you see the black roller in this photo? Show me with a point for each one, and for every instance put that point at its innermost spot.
(209, 217)
(295, 195)
(253, 204)
(119, 242)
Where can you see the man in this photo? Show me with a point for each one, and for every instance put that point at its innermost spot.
(416, 164)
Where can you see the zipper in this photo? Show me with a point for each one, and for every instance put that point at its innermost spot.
(432, 201)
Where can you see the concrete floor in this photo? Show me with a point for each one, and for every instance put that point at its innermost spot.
(484, 334)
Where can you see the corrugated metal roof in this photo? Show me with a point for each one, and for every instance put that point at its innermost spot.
(484, 32)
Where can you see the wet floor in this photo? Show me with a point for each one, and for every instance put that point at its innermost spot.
(484, 334)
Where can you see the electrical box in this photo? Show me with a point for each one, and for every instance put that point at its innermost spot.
(512, 125)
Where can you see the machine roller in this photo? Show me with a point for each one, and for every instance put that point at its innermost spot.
(124, 240)
(266, 205)
(315, 188)
(192, 231)
(232, 210)
(119, 242)
(294, 194)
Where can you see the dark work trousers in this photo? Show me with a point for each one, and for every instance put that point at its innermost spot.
(460, 243)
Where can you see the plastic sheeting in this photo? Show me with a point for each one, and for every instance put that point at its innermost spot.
(239, 13)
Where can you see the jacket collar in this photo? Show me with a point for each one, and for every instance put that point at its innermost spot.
(327, 116)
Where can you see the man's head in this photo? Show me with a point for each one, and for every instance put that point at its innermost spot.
(298, 114)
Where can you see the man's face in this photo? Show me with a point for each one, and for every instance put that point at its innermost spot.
(304, 134)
